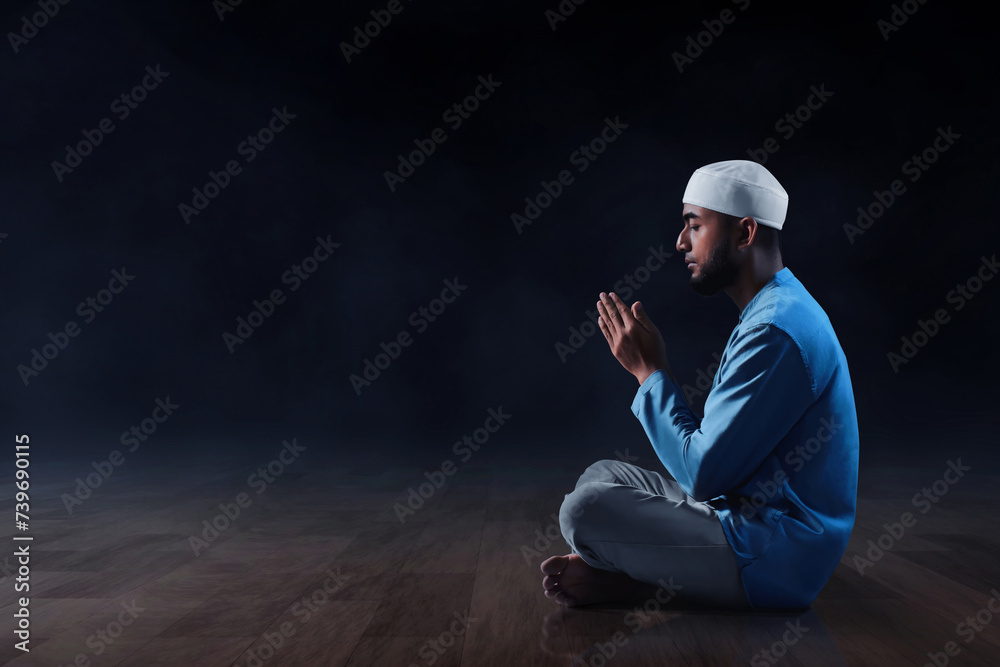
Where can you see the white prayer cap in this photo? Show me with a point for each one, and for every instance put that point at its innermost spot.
(741, 188)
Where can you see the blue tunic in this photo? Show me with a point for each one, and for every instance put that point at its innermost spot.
(776, 453)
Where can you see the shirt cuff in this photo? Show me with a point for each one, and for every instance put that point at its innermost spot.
(655, 378)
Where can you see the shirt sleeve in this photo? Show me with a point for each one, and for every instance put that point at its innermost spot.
(762, 390)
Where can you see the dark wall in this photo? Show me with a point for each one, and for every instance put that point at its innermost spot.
(887, 94)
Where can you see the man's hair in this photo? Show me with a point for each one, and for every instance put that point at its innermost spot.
(769, 238)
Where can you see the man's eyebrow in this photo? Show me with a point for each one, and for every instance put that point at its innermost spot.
(689, 215)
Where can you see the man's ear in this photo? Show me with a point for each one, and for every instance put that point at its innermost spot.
(748, 232)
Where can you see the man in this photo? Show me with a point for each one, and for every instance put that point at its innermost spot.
(763, 489)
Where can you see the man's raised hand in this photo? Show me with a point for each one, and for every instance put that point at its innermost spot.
(634, 339)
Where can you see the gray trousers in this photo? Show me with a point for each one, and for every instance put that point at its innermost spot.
(624, 518)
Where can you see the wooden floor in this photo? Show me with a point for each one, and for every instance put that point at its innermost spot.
(318, 570)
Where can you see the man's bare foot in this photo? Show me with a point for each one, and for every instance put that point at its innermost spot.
(570, 581)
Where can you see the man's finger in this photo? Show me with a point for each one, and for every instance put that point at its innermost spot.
(604, 330)
(614, 317)
(609, 321)
(624, 311)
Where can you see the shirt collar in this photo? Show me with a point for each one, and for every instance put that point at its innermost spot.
(778, 278)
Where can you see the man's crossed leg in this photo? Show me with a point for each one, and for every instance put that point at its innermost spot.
(629, 528)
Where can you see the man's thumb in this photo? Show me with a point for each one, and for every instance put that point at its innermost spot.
(641, 317)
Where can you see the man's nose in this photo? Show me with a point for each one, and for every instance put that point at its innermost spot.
(682, 244)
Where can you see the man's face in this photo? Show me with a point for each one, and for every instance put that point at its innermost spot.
(706, 241)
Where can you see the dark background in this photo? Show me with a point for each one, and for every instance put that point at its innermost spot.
(323, 175)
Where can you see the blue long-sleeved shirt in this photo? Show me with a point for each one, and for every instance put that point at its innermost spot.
(776, 453)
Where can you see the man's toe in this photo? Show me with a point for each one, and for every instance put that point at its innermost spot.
(554, 565)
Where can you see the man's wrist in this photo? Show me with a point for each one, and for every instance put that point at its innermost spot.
(644, 375)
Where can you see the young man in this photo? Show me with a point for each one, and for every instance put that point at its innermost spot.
(763, 489)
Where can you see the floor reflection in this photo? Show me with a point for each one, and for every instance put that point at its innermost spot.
(635, 634)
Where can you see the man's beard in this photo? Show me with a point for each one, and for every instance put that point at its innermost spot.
(718, 272)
